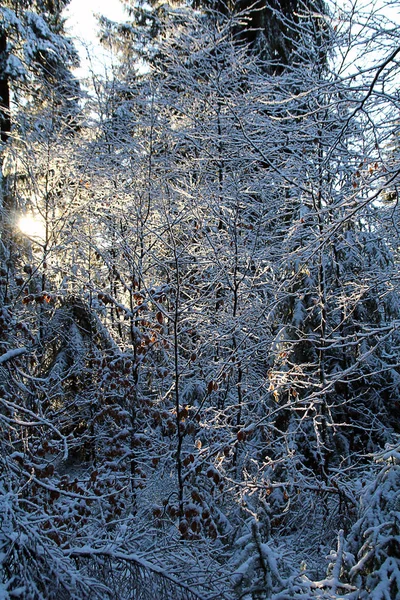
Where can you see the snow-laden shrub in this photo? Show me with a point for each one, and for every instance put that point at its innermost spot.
(32, 566)
(265, 570)
(373, 544)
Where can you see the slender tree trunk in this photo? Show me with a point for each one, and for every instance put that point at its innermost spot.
(5, 120)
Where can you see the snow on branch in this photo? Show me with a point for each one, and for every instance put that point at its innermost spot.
(170, 584)
(12, 354)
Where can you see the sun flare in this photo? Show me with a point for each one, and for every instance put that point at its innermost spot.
(32, 226)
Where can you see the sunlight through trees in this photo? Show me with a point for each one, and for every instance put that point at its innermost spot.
(199, 304)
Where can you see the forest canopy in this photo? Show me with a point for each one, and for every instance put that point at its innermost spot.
(199, 303)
